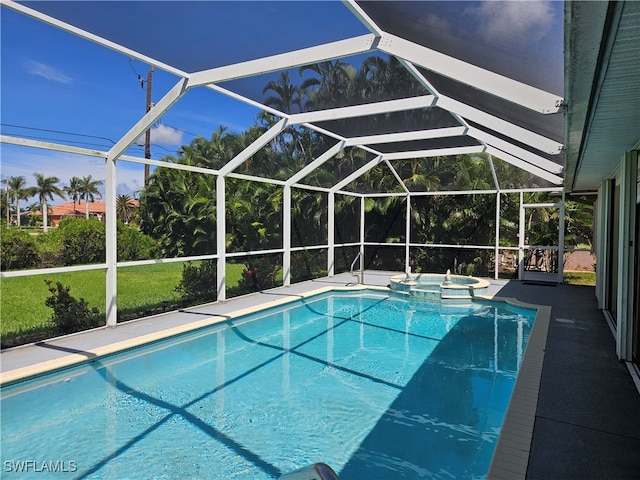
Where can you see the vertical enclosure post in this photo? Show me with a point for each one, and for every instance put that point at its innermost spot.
(521, 239)
(111, 243)
(407, 234)
(561, 240)
(221, 233)
(496, 262)
(362, 202)
(286, 236)
(331, 219)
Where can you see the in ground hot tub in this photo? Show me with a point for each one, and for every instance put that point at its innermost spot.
(438, 287)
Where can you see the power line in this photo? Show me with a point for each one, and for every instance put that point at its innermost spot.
(65, 141)
(87, 144)
(140, 79)
(56, 131)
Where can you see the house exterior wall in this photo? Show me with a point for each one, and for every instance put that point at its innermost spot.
(617, 275)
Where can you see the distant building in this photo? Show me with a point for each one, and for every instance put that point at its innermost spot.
(65, 210)
(97, 210)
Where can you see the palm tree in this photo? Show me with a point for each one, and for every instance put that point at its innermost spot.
(5, 199)
(332, 88)
(89, 188)
(73, 190)
(125, 207)
(17, 191)
(46, 187)
(286, 95)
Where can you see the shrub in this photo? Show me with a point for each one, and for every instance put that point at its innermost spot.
(198, 283)
(259, 275)
(17, 249)
(133, 244)
(306, 266)
(70, 314)
(82, 240)
(49, 246)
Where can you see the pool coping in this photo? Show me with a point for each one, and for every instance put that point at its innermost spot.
(511, 454)
(85, 356)
(510, 459)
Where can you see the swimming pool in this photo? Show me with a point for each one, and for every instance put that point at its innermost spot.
(375, 385)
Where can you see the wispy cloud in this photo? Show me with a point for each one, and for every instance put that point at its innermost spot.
(46, 71)
(514, 21)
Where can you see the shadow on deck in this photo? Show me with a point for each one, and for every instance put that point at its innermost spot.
(587, 423)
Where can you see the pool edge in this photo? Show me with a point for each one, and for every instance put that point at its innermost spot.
(19, 374)
(510, 458)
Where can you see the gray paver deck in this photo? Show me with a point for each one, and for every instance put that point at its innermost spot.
(587, 422)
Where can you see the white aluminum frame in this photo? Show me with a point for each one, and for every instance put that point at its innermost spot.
(408, 53)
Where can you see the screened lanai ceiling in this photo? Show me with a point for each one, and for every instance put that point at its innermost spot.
(477, 78)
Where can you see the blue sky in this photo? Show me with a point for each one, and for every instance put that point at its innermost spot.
(61, 88)
(54, 82)
(58, 87)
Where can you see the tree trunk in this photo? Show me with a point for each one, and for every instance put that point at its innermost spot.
(44, 215)
(18, 211)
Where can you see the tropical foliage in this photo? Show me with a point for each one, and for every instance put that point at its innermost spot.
(18, 249)
(87, 190)
(178, 212)
(45, 189)
(126, 208)
(17, 191)
(178, 208)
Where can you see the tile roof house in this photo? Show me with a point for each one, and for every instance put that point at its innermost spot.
(64, 210)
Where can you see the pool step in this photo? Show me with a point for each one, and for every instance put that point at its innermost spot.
(436, 295)
(433, 294)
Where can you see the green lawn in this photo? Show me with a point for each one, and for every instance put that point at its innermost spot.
(141, 288)
(580, 278)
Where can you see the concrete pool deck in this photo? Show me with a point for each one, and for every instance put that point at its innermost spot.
(575, 411)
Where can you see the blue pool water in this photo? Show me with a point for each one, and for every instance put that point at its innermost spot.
(374, 385)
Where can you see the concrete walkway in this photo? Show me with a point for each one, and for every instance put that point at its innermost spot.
(587, 423)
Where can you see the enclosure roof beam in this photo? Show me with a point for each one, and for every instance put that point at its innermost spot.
(520, 134)
(283, 61)
(154, 113)
(19, 7)
(332, 152)
(518, 162)
(530, 157)
(358, 173)
(407, 136)
(257, 144)
(476, 77)
(363, 17)
(376, 108)
(437, 152)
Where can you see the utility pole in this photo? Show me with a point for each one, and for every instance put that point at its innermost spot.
(147, 135)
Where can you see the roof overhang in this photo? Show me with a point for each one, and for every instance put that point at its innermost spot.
(602, 89)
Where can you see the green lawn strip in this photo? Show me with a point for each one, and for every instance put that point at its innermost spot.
(22, 307)
(580, 278)
(140, 289)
